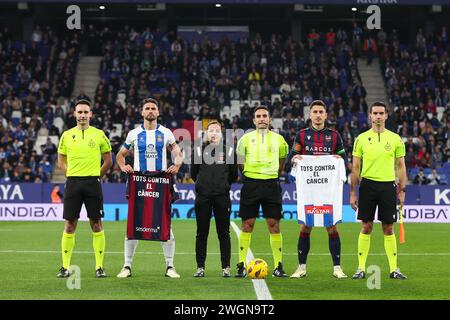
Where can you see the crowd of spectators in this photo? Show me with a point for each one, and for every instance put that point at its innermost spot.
(35, 77)
(417, 77)
(194, 80)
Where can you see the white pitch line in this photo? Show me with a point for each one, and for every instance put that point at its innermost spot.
(218, 253)
(260, 285)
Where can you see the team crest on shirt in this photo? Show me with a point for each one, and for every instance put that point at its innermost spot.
(151, 152)
(159, 138)
(328, 138)
(387, 147)
(308, 137)
(91, 144)
(272, 149)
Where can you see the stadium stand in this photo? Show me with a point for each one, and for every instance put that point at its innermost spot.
(224, 79)
(36, 81)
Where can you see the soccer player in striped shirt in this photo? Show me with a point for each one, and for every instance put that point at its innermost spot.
(318, 140)
(150, 143)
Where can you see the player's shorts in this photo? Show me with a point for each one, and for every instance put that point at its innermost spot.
(264, 193)
(381, 194)
(79, 190)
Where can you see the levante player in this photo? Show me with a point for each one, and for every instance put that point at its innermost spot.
(318, 140)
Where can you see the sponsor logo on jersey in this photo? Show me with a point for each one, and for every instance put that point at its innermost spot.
(151, 152)
(148, 230)
(317, 149)
(325, 209)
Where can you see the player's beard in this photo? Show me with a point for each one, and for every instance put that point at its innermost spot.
(319, 123)
(151, 117)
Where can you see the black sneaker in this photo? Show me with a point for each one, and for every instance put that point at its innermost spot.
(100, 273)
(396, 274)
(241, 272)
(63, 273)
(279, 272)
(200, 273)
(359, 274)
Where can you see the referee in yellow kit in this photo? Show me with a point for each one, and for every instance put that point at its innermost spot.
(263, 153)
(79, 156)
(381, 152)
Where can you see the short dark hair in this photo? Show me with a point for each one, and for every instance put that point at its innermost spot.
(259, 108)
(318, 103)
(379, 104)
(83, 101)
(149, 100)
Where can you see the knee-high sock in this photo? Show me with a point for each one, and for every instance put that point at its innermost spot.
(98, 241)
(276, 242)
(130, 248)
(390, 246)
(334, 243)
(363, 250)
(303, 246)
(169, 249)
(67, 245)
(244, 243)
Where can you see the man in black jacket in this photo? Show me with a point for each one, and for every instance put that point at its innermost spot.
(214, 169)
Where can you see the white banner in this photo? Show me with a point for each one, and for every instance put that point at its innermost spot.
(35, 212)
(437, 214)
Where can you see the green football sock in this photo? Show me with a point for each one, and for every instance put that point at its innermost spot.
(276, 242)
(390, 246)
(67, 245)
(99, 248)
(244, 244)
(363, 250)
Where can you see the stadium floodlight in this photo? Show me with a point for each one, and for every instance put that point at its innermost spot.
(102, 7)
(354, 9)
(218, 5)
(22, 6)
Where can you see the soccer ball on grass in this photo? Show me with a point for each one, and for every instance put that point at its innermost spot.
(257, 269)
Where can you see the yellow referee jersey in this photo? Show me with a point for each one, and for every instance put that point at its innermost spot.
(378, 152)
(262, 153)
(83, 149)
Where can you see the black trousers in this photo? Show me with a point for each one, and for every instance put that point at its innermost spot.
(204, 207)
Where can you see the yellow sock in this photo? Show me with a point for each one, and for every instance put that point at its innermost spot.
(276, 242)
(67, 245)
(363, 250)
(390, 245)
(99, 248)
(244, 244)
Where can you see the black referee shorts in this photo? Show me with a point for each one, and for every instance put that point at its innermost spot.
(381, 194)
(264, 193)
(79, 190)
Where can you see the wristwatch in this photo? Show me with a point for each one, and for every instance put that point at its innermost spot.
(403, 190)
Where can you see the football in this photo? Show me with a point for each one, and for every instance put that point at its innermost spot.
(257, 269)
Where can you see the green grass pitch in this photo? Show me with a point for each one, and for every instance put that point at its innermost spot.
(30, 258)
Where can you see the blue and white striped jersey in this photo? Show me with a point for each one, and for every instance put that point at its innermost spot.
(150, 147)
